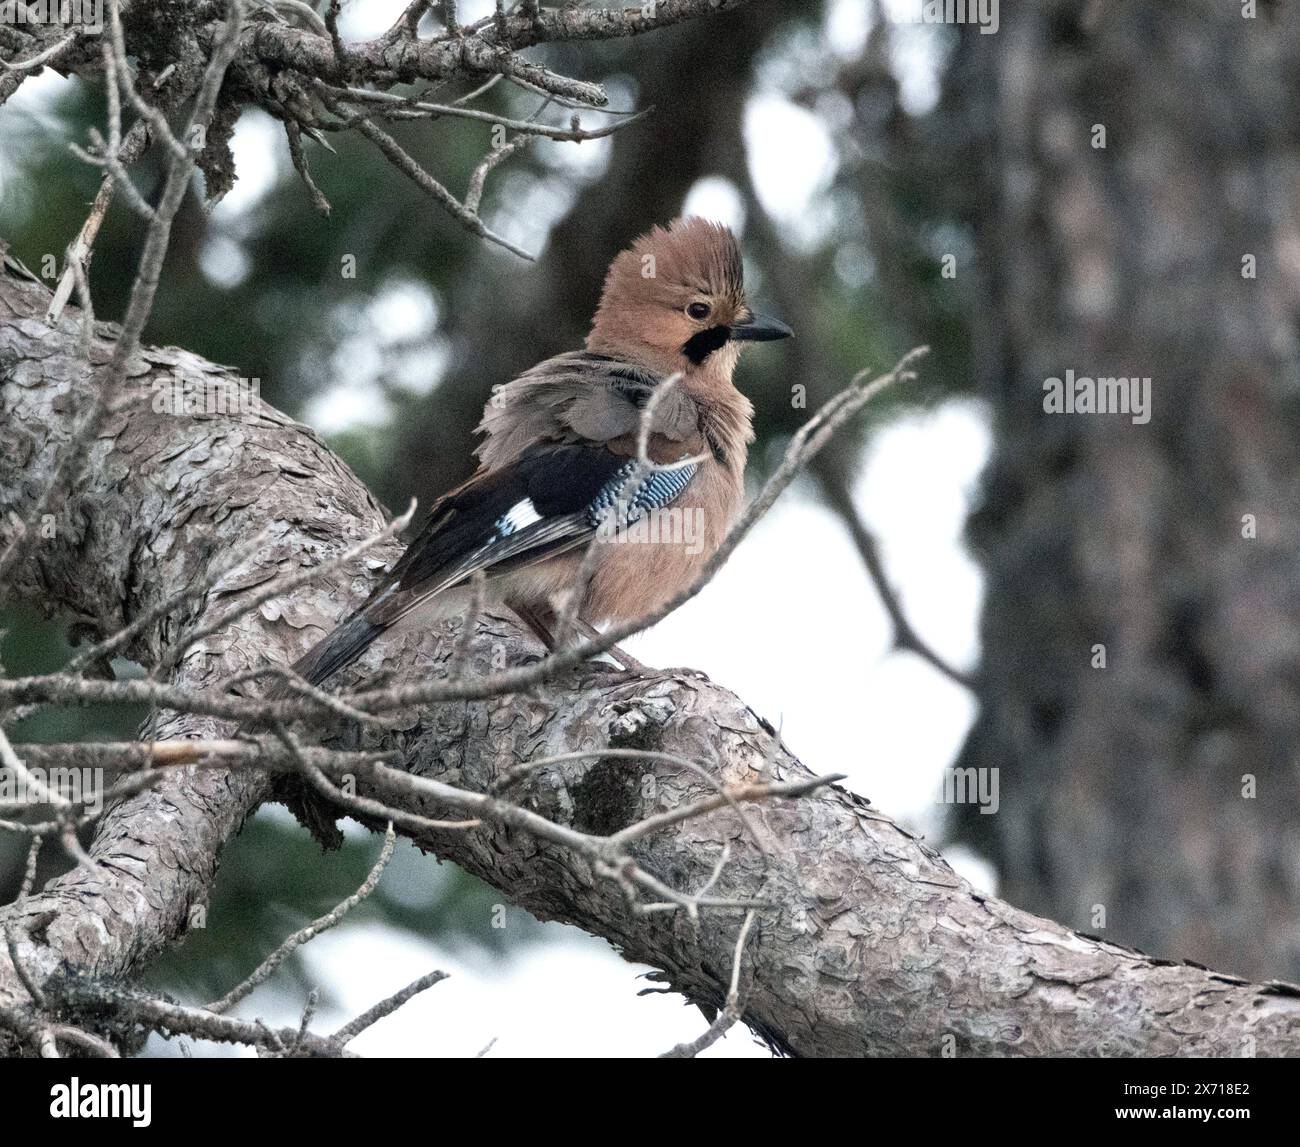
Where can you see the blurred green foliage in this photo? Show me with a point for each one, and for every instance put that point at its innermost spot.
(274, 880)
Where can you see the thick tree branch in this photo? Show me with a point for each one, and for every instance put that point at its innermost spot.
(867, 943)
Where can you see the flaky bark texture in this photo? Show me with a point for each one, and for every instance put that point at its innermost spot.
(872, 945)
(1128, 789)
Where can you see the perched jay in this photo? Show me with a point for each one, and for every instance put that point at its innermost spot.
(560, 448)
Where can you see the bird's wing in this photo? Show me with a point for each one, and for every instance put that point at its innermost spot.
(551, 499)
(580, 397)
(556, 455)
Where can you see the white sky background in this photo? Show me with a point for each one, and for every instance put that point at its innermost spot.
(829, 681)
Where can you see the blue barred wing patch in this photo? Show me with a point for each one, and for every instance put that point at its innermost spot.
(654, 491)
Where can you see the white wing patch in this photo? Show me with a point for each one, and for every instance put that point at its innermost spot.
(519, 515)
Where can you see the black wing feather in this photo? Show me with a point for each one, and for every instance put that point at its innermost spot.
(559, 481)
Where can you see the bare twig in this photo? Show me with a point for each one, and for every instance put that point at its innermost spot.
(390, 102)
(905, 636)
(755, 792)
(132, 147)
(85, 1040)
(52, 53)
(314, 774)
(653, 756)
(408, 166)
(474, 193)
(332, 30)
(371, 1016)
(322, 924)
(730, 1013)
(294, 134)
(178, 1019)
(29, 870)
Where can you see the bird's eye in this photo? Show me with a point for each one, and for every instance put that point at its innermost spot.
(698, 310)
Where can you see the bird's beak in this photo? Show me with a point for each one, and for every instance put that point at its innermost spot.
(760, 329)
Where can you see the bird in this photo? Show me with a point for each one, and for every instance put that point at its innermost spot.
(559, 463)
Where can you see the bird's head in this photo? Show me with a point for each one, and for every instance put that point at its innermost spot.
(675, 300)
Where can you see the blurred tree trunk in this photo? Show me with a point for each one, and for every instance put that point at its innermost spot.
(1127, 790)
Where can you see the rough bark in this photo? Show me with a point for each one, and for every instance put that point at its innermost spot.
(872, 945)
(1125, 788)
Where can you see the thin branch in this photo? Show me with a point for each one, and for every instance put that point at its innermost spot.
(387, 1007)
(731, 1012)
(408, 166)
(408, 24)
(653, 756)
(48, 56)
(29, 870)
(295, 683)
(117, 175)
(332, 30)
(110, 154)
(20, 968)
(85, 1040)
(10, 761)
(122, 72)
(475, 93)
(363, 807)
(564, 102)
(905, 636)
(294, 134)
(607, 853)
(321, 924)
(178, 1019)
(574, 133)
(754, 792)
(132, 147)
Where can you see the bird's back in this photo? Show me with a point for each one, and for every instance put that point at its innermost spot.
(580, 396)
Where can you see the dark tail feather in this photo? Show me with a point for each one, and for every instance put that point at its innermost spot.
(338, 650)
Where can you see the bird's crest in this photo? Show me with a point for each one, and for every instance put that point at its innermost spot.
(692, 253)
(659, 275)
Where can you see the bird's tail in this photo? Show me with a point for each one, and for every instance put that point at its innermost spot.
(335, 651)
(338, 649)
